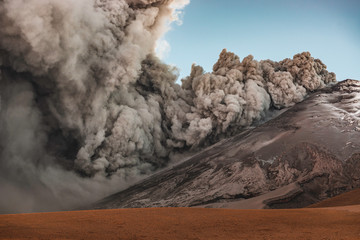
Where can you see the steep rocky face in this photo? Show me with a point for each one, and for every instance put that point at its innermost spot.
(309, 153)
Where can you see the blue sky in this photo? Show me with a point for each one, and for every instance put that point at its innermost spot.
(275, 30)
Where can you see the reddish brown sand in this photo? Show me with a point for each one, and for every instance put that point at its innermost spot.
(349, 198)
(185, 223)
(192, 223)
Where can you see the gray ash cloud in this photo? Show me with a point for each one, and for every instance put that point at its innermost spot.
(87, 108)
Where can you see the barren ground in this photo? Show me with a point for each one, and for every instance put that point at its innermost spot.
(339, 222)
(185, 223)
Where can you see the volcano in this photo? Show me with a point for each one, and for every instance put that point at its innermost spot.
(87, 109)
(307, 154)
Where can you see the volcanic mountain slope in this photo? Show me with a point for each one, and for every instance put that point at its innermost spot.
(309, 153)
(345, 199)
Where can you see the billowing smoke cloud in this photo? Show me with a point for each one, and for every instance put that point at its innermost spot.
(86, 107)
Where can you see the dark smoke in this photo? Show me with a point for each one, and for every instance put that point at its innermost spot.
(87, 108)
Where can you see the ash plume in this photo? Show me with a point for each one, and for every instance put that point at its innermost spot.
(87, 108)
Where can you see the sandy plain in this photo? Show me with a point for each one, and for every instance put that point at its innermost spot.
(340, 222)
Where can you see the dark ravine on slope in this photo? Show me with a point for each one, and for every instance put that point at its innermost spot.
(312, 150)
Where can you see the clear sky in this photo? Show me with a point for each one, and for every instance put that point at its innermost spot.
(276, 29)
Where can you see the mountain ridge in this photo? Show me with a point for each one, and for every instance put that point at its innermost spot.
(312, 145)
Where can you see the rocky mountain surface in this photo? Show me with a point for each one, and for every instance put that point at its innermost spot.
(309, 153)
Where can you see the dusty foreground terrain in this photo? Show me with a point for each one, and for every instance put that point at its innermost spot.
(335, 222)
(186, 223)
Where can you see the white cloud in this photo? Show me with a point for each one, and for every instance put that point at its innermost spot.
(162, 48)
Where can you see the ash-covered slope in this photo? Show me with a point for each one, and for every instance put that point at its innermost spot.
(86, 107)
(309, 153)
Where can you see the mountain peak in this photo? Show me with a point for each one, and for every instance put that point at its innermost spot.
(307, 154)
